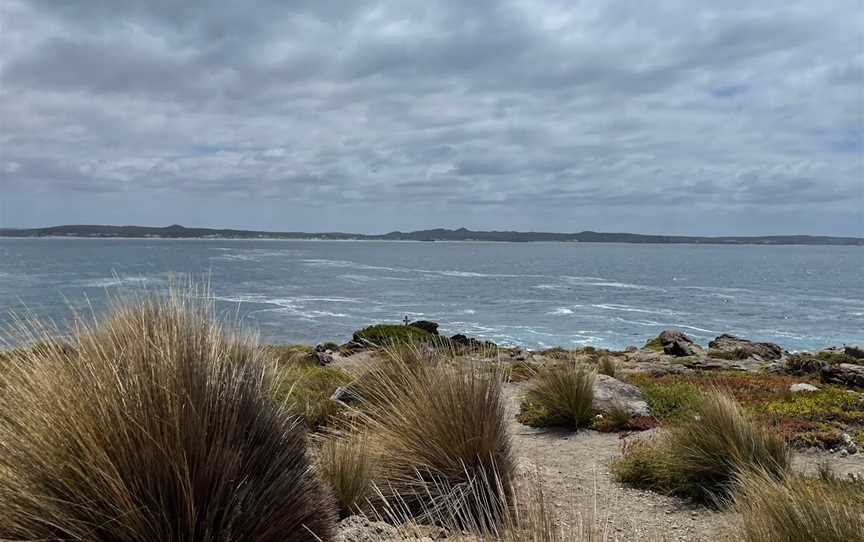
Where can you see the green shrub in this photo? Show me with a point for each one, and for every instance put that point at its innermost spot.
(732, 355)
(836, 358)
(803, 364)
(385, 335)
(798, 510)
(670, 400)
(163, 428)
(700, 456)
(307, 391)
(559, 396)
(616, 418)
(654, 344)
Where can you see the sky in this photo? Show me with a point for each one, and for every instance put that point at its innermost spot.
(680, 117)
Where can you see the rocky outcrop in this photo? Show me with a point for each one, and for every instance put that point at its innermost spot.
(844, 374)
(675, 343)
(426, 325)
(323, 355)
(610, 392)
(744, 348)
(471, 342)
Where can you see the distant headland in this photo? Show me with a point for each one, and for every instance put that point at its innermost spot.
(440, 234)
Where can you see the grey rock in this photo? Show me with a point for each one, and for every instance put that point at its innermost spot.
(609, 392)
(731, 343)
(675, 343)
(324, 356)
(426, 325)
(844, 374)
(802, 387)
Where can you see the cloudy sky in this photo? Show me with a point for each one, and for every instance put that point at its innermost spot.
(690, 116)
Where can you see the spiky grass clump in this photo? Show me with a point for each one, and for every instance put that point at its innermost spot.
(559, 396)
(155, 425)
(347, 462)
(437, 422)
(607, 366)
(799, 510)
(699, 457)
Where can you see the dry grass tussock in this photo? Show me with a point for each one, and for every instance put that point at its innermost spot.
(560, 395)
(436, 421)
(798, 509)
(700, 456)
(347, 461)
(155, 425)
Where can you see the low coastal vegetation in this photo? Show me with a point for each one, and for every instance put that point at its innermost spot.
(699, 457)
(400, 431)
(560, 395)
(798, 509)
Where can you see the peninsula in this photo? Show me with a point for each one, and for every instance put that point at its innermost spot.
(439, 234)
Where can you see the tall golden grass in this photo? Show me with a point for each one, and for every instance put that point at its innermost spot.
(153, 424)
(560, 395)
(437, 421)
(798, 509)
(700, 457)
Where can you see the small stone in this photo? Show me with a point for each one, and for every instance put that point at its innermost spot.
(802, 387)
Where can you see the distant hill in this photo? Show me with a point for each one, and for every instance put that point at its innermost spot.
(462, 234)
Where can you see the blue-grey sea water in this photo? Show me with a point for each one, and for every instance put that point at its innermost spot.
(531, 294)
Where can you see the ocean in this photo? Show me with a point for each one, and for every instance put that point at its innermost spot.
(531, 294)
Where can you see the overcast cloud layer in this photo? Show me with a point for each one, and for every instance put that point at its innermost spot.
(688, 116)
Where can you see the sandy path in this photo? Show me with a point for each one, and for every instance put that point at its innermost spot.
(574, 464)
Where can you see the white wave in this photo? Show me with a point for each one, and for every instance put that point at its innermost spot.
(328, 314)
(467, 311)
(627, 285)
(550, 287)
(348, 264)
(629, 308)
(238, 257)
(561, 311)
(114, 281)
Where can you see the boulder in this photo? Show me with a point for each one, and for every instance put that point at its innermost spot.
(676, 343)
(352, 347)
(731, 343)
(324, 356)
(844, 374)
(610, 391)
(426, 325)
(802, 387)
(854, 351)
(471, 342)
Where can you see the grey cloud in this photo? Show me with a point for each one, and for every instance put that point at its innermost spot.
(493, 111)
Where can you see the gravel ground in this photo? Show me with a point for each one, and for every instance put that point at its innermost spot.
(575, 467)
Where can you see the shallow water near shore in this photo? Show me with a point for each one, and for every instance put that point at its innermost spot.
(532, 294)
